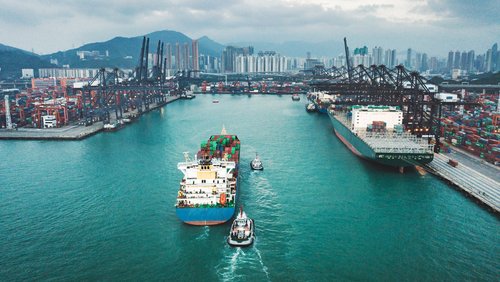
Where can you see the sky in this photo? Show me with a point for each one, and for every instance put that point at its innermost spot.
(431, 26)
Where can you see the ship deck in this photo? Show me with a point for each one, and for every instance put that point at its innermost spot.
(389, 142)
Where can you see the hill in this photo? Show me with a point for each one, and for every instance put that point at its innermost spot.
(124, 52)
(12, 60)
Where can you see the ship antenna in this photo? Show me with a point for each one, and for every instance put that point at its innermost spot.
(186, 156)
(223, 131)
(241, 210)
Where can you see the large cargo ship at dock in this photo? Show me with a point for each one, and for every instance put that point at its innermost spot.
(376, 133)
(209, 189)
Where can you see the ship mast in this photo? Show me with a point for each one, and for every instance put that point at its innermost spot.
(186, 156)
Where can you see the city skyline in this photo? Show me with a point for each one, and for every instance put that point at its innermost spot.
(431, 26)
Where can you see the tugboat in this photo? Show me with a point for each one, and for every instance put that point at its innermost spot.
(295, 97)
(242, 231)
(187, 95)
(256, 164)
(310, 108)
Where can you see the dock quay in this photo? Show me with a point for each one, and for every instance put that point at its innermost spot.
(75, 131)
(484, 189)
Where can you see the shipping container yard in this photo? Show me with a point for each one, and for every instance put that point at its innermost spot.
(73, 109)
(474, 129)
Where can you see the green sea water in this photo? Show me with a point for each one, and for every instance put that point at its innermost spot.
(103, 208)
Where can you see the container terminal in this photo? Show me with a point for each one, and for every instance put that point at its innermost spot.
(468, 121)
(448, 119)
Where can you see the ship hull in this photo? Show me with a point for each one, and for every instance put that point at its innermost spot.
(361, 149)
(205, 216)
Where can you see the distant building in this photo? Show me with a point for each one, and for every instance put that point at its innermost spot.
(27, 73)
(378, 58)
(43, 83)
(390, 58)
(470, 61)
(85, 55)
(495, 58)
(185, 56)
(67, 73)
(456, 60)
(463, 61)
(408, 58)
(450, 61)
(433, 64)
(177, 56)
(489, 60)
(196, 63)
(457, 73)
(424, 65)
(229, 55)
(168, 56)
(418, 62)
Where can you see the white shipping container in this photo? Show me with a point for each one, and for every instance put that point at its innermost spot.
(446, 97)
(49, 121)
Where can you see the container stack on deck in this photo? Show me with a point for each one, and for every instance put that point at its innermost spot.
(220, 146)
(377, 126)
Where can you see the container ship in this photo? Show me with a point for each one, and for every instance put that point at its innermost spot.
(376, 133)
(209, 189)
(320, 100)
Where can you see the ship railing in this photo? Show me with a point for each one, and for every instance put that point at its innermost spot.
(395, 142)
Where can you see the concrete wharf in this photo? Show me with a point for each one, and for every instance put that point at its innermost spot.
(72, 132)
(484, 189)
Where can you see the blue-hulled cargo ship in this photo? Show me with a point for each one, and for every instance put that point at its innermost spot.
(208, 191)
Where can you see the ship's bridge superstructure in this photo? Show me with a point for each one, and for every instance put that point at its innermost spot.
(207, 183)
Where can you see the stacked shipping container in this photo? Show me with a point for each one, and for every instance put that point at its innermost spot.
(474, 132)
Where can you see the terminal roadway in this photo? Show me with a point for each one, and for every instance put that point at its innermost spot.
(471, 181)
(470, 87)
(477, 163)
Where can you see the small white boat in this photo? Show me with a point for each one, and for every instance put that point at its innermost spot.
(256, 164)
(242, 231)
(187, 95)
(295, 97)
(310, 107)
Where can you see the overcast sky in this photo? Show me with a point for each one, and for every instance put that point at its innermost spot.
(432, 26)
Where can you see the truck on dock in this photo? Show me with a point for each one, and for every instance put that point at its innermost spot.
(453, 163)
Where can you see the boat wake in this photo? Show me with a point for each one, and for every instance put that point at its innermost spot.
(239, 263)
(264, 267)
(228, 272)
(205, 233)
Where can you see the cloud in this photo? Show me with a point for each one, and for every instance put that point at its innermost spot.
(52, 25)
(477, 12)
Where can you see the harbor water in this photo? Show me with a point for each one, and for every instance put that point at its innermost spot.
(103, 208)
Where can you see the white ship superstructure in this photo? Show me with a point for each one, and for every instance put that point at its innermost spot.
(206, 183)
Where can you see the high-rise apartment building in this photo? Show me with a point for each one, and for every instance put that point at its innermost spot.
(456, 60)
(196, 63)
(378, 58)
(450, 64)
